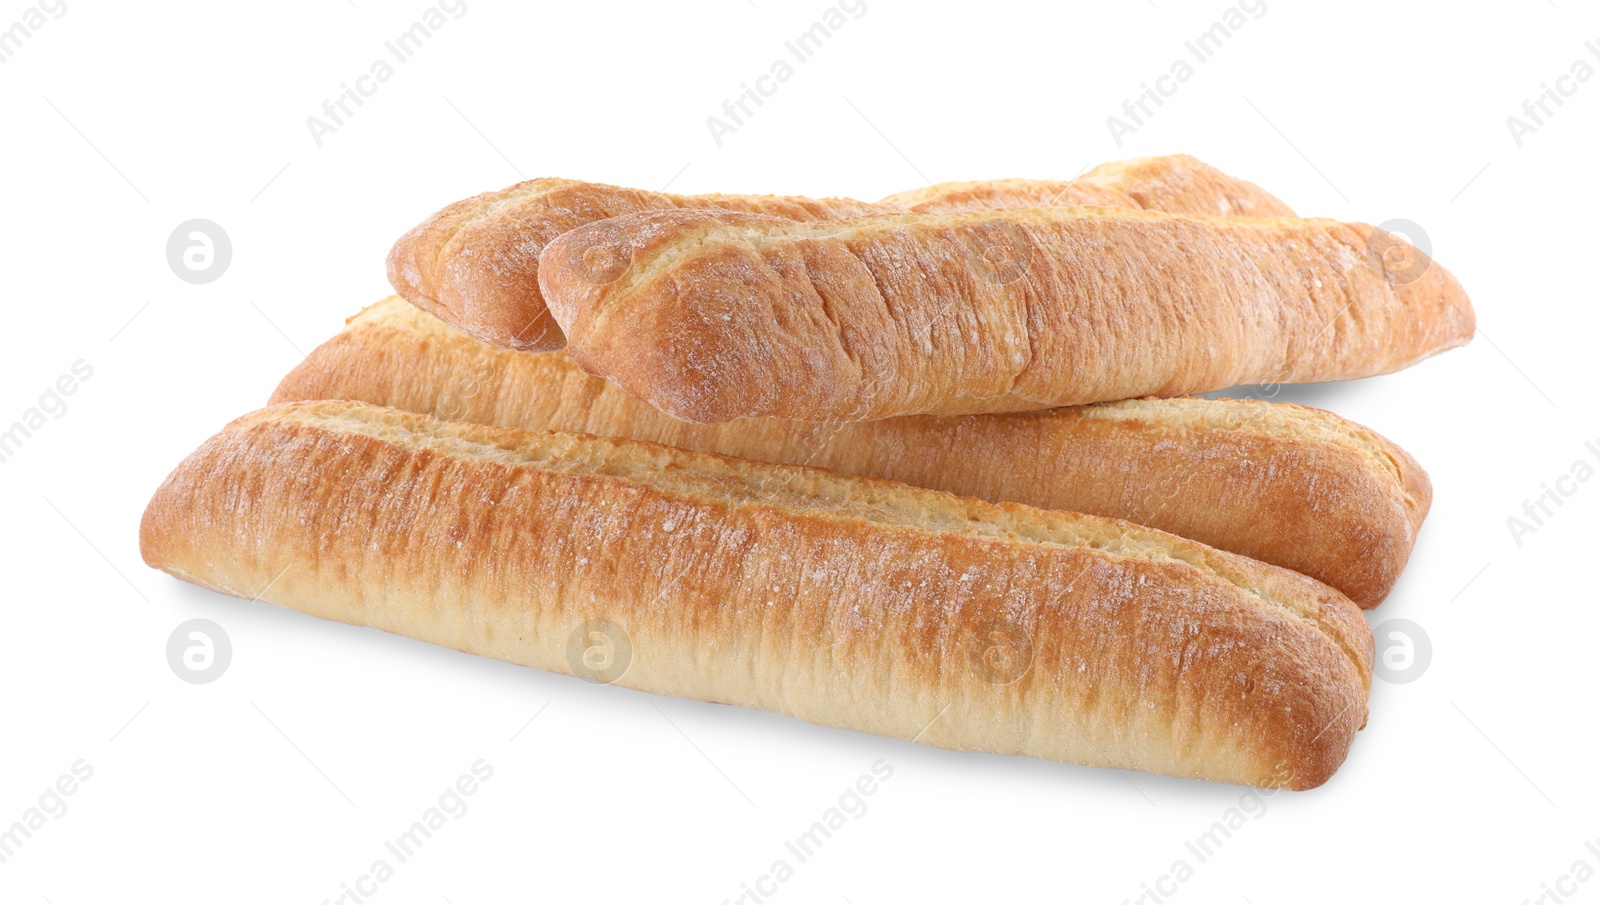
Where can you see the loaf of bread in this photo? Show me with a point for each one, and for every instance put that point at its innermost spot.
(712, 316)
(474, 264)
(1288, 485)
(843, 601)
(1174, 184)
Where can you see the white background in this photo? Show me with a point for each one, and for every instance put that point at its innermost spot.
(280, 781)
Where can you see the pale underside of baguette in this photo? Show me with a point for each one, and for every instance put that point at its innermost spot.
(713, 316)
(475, 262)
(1292, 486)
(851, 603)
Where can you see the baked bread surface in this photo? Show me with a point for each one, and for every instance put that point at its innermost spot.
(712, 316)
(1289, 485)
(843, 601)
(475, 263)
(1173, 184)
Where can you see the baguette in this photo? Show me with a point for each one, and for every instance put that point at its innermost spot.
(1174, 184)
(474, 264)
(848, 602)
(1291, 486)
(712, 316)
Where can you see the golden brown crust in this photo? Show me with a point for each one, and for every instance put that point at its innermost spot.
(475, 263)
(842, 601)
(1291, 486)
(1180, 184)
(714, 316)
(1173, 184)
(995, 194)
